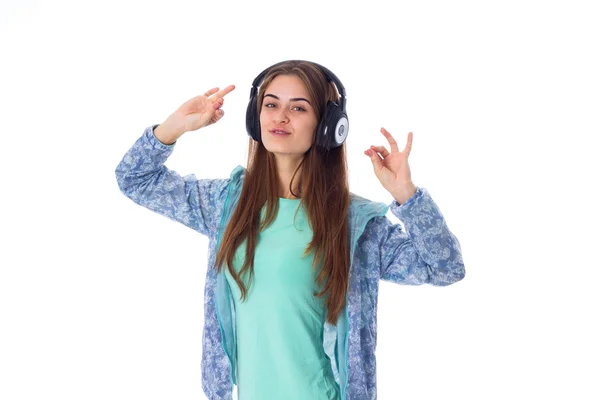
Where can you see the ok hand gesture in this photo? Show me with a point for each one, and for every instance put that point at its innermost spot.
(391, 168)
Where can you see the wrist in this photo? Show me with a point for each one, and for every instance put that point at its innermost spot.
(166, 134)
(401, 195)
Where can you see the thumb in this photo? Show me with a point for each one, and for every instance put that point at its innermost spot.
(218, 114)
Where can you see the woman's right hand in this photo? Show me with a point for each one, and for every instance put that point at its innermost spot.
(197, 112)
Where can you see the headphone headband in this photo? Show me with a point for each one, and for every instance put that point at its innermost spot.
(331, 77)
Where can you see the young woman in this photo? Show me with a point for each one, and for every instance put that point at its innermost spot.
(295, 258)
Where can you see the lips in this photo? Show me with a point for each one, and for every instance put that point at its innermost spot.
(279, 131)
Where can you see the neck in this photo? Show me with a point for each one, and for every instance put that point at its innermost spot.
(286, 166)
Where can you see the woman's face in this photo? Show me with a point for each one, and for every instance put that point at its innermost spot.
(286, 107)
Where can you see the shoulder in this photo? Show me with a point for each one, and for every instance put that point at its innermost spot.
(368, 219)
(237, 173)
(362, 208)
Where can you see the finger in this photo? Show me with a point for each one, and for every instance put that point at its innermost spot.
(408, 144)
(390, 139)
(211, 91)
(223, 92)
(381, 149)
(218, 103)
(375, 160)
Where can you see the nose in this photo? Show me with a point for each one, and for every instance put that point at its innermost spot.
(280, 115)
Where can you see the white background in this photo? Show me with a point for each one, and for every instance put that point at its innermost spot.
(103, 299)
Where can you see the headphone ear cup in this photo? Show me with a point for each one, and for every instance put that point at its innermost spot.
(329, 125)
(252, 120)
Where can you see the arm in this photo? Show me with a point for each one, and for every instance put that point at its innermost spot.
(142, 177)
(426, 253)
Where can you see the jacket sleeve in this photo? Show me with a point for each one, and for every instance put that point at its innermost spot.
(142, 177)
(426, 253)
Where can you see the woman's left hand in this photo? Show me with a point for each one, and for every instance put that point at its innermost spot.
(392, 169)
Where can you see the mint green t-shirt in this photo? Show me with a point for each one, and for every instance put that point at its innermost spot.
(279, 326)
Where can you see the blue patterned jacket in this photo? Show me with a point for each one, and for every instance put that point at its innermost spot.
(426, 252)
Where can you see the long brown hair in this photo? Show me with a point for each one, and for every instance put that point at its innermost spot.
(324, 192)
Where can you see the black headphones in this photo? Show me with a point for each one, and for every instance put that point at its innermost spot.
(333, 127)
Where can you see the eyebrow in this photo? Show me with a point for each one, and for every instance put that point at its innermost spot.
(292, 99)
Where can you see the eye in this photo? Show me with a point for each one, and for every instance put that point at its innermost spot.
(268, 105)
